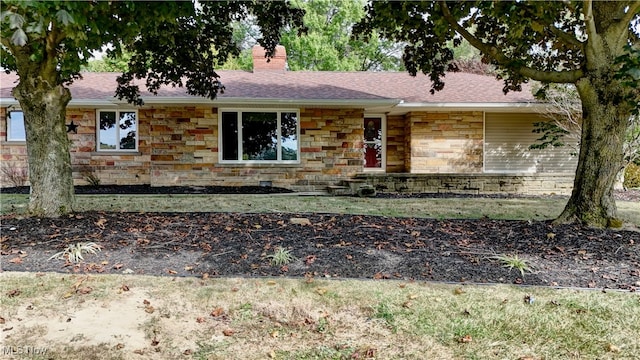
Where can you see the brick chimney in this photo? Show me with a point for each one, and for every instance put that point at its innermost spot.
(277, 63)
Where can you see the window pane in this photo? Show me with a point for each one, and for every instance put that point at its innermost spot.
(128, 128)
(16, 126)
(229, 136)
(289, 131)
(108, 133)
(259, 136)
(372, 143)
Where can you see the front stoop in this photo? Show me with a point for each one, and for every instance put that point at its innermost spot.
(352, 187)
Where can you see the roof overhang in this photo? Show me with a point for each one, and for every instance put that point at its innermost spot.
(388, 106)
(404, 108)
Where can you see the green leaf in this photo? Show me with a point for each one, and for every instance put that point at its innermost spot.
(15, 21)
(64, 17)
(19, 37)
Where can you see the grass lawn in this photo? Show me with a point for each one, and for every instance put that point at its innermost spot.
(449, 208)
(138, 317)
(63, 316)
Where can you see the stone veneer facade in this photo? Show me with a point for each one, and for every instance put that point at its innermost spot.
(178, 145)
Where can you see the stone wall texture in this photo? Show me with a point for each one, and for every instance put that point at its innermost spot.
(179, 145)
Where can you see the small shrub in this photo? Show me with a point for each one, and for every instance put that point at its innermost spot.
(632, 176)
(74, 252)
(281, 256)
(17, 176)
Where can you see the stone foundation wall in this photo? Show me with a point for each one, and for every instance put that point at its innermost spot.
(523, 184)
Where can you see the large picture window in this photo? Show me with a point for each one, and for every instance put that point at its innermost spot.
(15, 126)
(117, 130)
(259, 136)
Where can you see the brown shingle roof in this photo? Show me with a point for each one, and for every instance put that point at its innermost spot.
(307, 85)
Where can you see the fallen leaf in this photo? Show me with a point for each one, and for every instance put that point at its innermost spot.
(465, 339)
(14, 292)
(200, 320)
(2, 320)
(146, 302)
(138, 352)
(271, 282)
(228, 332)
(118, 266)
(217, 312)
(67, 295)
(310, 259)
(321, 291)
(149, 309)
(187, 352)
(172, 272)
(551, 236)
(124, 287)
(188, 268)
(100, 223)
(155, 342)
(205, 276)
(85, 290)
(119, 346)
(16, 260)
(458, 291)
(612, 348)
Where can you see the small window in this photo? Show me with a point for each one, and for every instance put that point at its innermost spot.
(15, 126)
(259, 136)
(117, 130)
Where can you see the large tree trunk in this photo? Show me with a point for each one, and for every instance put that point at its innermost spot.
(605, 120)
(44, 106)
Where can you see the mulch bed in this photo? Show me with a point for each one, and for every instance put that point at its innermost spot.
(327, 245)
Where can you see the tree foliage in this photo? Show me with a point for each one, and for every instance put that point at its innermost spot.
(47, 43)
(592, 44)
(327, 45)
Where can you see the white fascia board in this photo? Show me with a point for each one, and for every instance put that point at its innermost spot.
(488, 107)
(5, 102)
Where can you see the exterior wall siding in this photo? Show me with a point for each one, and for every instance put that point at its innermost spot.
(178, 145)
(445, 142)
(396, 144)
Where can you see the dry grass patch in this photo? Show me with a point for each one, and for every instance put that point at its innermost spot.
(137, 317)
(450, 208)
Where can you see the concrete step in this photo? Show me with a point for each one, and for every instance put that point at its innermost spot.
(337, 190)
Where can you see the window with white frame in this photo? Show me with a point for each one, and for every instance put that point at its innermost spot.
(117, 130)
(15, 126)
(259, 136)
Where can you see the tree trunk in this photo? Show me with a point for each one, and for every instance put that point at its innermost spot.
(50, 174)
(601, 154)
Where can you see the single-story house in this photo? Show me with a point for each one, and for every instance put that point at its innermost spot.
(306, 131)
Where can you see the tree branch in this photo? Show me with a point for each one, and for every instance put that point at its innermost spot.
(567, 76)
(588, 19)
(634, 10)
(568, 38)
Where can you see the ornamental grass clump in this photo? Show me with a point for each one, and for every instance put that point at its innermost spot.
(281, 256)
(74, 252)
(514, 262)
